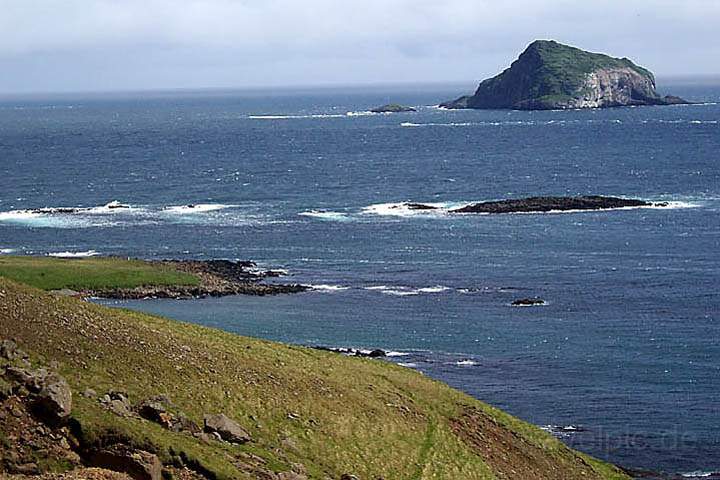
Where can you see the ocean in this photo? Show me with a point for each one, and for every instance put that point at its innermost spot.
(623, 360)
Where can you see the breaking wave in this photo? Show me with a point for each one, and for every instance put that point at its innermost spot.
(88, 253)
(326, 215)
(119, 214)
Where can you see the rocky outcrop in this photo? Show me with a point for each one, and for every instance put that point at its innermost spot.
(138, 464)
(376, 353)
(550, 75)
(540, 204)
(392, 108)
(54, 400)
(218, 278)
(550, 204)
(226, 428)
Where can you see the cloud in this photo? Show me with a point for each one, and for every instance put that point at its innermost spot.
(249, 41)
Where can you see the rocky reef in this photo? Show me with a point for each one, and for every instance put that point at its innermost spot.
(540, 204)
(551, 204)
(392, 108)
(549, 75)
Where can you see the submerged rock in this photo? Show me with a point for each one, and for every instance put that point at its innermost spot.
(549, 75)
(393, 108)
(528, 302)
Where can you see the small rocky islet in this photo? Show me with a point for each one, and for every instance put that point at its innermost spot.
(393, 108)
(551, 76)
(540, 204)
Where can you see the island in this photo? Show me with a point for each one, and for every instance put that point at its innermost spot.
(393, 108)
(109, 394)
(539, 205)
(550, 76)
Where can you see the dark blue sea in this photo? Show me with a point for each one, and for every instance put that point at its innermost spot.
(627, 349)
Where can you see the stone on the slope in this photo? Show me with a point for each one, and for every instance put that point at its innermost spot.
(138, 464)
(228, 429)
(54, 400)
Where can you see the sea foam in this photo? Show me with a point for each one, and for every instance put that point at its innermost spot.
(88, 253)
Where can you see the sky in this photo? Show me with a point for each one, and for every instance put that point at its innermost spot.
(108, 45)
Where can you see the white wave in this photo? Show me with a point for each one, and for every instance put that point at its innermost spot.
(7, 251)
(404, 291)
(700, 474)
(466, 363)
(396, 354)
(111, 207)
(325, 215)
(329, 288)
(88, 253)
(196, 208)
(295, 117)
(364, 113)
(431, 124)
(435, 289)
(396, 291)
(18, 215)
(402, 209)
(407, 364)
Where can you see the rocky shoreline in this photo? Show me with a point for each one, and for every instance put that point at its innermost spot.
(218, 278)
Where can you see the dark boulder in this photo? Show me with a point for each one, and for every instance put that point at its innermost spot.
(416, 206)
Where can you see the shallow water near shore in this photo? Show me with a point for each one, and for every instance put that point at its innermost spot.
(627, 346)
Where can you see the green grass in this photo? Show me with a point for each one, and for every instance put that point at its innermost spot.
(49, 273)
(331, 413)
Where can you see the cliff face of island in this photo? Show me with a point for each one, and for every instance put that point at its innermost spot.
(549, 75)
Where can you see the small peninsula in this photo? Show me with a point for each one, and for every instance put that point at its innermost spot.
(551, 76)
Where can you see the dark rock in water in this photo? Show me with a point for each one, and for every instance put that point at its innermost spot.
(549, 75)
(377, 353)
(138, 464)
(416, 206)
(528, 302)
(548, 204)
(393, 108)
(228, 429)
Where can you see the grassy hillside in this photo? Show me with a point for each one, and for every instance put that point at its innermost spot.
(49, 273)
(331, 414)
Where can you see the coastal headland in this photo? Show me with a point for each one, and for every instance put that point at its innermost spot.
(85, 387)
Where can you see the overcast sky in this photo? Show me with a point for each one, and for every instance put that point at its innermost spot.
(90, 45)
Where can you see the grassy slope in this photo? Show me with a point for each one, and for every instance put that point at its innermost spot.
(90, 273)
(331, 413)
